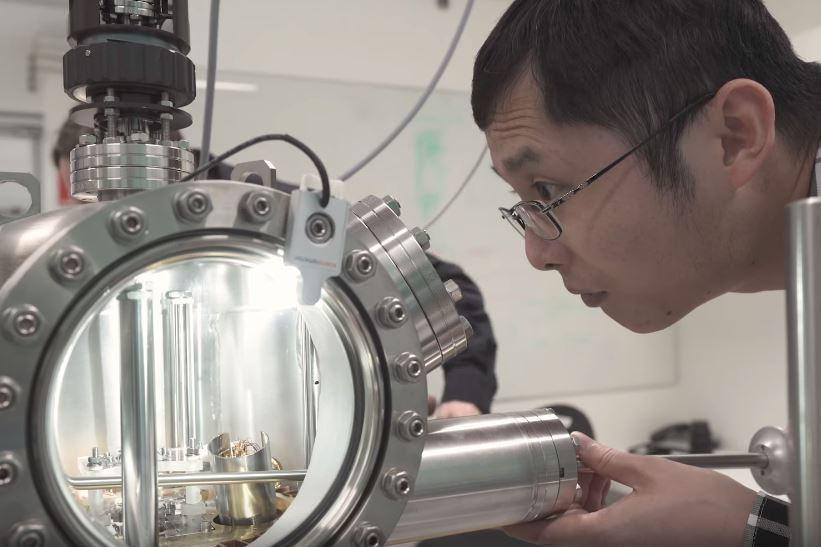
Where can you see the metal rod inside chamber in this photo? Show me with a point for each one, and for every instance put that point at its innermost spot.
(192, 479)
(138, 437)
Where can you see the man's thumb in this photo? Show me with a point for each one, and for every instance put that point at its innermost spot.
(609, 462)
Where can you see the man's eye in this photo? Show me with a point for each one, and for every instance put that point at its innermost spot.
(547, 191)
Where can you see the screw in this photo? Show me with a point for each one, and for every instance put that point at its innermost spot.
(454, 291)
(410, 425)
(27, 535)
(257, 207)
(193, 205)
(394, 205)
(320, 228)
(128, 223)
(68, 264)
(408, 368)
(87, 138)
(88, 53)
(8, 394)
(467, 326)
(422, 238)
(8, 472)
(369, 535)
(26, 323)
(360, 265)
(397, 483)
(392, 313)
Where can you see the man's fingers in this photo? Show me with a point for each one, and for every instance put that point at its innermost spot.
(620, 466)
(572, 527)
(598, 488)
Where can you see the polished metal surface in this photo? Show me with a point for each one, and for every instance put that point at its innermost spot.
(244, 503)
(489, 471)
(774, 443)
(804, 349)
(218, 259)
(108, 171)
(439, 327)
(139, 441)
(192, 479)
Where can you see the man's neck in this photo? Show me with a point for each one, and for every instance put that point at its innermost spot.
(796, 181)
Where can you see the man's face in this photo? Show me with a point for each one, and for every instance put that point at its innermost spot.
(626, 247)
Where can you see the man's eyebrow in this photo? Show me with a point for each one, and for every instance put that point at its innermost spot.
(520, 159)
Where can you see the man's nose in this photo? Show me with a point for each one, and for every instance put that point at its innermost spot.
(544, 254)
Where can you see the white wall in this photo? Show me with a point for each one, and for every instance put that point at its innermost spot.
(730, 354)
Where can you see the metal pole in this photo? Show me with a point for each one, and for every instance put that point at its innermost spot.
(139, 450)
(722, 461)
(191, 479)
(803, 323)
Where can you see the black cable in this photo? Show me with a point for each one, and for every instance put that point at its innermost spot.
(320, 167)
(208, 116)
(460, 189)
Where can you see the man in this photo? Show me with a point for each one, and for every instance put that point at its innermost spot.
(701, 124)
(470, 377)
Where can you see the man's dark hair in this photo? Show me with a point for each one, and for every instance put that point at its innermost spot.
(629, 65)
(66, 140)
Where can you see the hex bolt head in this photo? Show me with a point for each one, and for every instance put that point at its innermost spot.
(320, 228)
(127, 224)
(369, 535)
(394, 205)
(87, 138)
(8, 394)
(30, 534)
(392, 313)
(467, 326)
(360, 265)
(410, 425)
(257, 207)
(8, 472)
(408, 368)
(193, 205)
(422, 238)
(397, 483)
(454, 291)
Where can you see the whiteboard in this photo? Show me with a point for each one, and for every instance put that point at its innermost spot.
(549, 342)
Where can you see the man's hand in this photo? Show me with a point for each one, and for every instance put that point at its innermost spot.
(451, 409)
(672, 504)
(456, 409)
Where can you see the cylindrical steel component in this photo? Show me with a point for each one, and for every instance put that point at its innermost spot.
(489, 471)
(139, 452)
(181, 404)
(243, 503)
(191, 479)
(804, 348)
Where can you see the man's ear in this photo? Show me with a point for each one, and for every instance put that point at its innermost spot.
(743, 115)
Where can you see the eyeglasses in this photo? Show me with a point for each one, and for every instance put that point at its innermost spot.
(540, 218)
